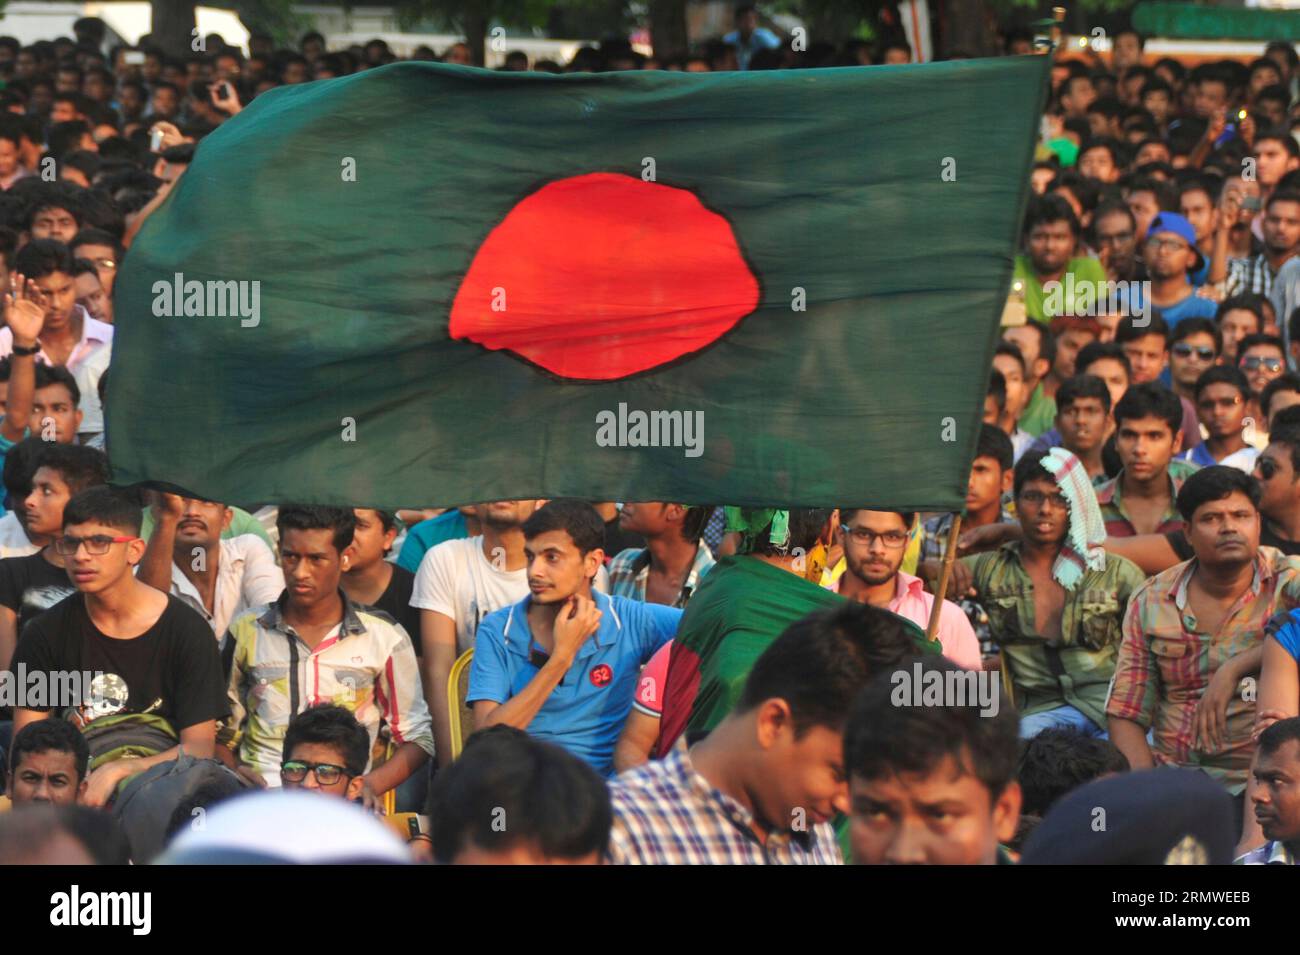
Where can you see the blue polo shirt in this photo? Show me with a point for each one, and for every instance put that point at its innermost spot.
(585, 713)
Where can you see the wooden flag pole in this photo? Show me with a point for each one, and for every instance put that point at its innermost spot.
(944, 574)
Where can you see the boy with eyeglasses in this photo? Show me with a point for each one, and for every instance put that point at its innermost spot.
(874, 543)
(31, 585)
(149, 652)
(326, 750)
(1055, 606)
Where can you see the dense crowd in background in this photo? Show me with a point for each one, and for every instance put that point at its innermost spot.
(663, 682)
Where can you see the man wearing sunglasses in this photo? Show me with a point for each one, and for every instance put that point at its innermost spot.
(326, 750)
(155, 654)
(1263, 359)
(1194, 346)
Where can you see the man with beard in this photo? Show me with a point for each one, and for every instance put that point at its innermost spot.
(458, 584)
(1116, 232)
(874, 542)
(1058, 627)
(219, 577)
(1281, 230)
(1171, 258)
(1051, 236)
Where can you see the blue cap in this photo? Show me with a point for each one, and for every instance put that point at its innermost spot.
(1179, 226)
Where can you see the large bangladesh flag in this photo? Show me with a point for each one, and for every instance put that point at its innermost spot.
(427, 284)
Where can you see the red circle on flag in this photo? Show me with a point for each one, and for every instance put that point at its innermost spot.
(601, 675)
(601, 276)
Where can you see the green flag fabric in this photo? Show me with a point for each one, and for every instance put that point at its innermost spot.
(429, 284)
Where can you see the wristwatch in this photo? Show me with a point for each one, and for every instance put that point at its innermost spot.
(20, 350)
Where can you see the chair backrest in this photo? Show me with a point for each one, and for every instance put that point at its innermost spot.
(462, 717)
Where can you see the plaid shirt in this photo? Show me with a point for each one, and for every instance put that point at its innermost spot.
(1118, 524)
(1249, 275)
(366, 665)
(1165, 662)
(1077, 668)
(630, 569)
(665, 813)
(1270, 853)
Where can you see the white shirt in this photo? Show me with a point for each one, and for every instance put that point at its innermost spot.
(458, 581)
(93, 334)
(13, 539)
(87, 374)
(247, 576)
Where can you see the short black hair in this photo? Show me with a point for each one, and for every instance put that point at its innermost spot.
(331, 725)
(576, 518)
(50, 736)
(20, 464)
(1099, 351)
(1259, 338)
(820, 662)
(1010, 349)
(508, 788)
(1247, 301)
(1289, 381)
(1150, 400)
(1082, 386)
(1129, 329)
(42, 257)
(79, 465)
(102, 504)
(909, 517)
(1059, 760)
(93, 236)
(997, 388)
(1030, 468)
(883, 739)
(1214, 483)
(1222, 374)
(1279, 734)
(1288, 434)
(318, 517)
(1050, 208)
(47, 375)
(1197, 326)
(994, 443)
(1046, 342)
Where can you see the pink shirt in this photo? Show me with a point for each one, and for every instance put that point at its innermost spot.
(911, 600)
(649, 698)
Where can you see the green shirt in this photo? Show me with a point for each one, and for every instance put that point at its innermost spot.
(1083, 271)
(1077, 670)
(1040, 414)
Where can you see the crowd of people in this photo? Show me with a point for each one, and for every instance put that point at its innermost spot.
(559, 680)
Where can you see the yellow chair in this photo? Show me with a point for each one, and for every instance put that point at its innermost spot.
(461, 716)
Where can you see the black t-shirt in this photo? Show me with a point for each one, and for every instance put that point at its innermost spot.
(396, 602)
(172, 670)
(31, 585)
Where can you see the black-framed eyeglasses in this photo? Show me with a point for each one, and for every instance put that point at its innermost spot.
(97, 545)
(1036, 498)
(1184, 350)
(1256, 362)
(327, 774)
(891, 539)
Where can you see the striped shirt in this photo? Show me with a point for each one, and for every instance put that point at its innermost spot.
(629, 570)
(1249, 275)
(1118, 523)
(1166, 662)
(366, 664)
(665, 813)
(1270, 853)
